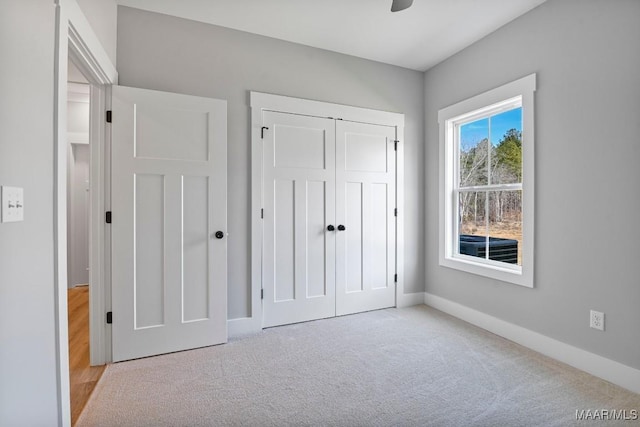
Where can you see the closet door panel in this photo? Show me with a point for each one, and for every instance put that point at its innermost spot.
(365, 152)
(299, 204)
(353, 238)
(365, 203)
(378, 237)
(315, 239)
(284, 246)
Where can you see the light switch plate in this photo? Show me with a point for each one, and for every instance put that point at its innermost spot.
(12, 204)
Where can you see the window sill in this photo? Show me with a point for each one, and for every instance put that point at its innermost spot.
(514, 275)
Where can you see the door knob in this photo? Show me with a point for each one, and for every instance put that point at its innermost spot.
(342, 227)
(219, 234)
(330, 227)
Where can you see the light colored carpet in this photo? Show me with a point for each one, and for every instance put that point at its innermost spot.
(395, 367)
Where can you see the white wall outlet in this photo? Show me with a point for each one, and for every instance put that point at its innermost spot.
(596, 320)
(12, 204)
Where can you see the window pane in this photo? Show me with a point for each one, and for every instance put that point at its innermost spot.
(473, 223)
(506, 141)
(505, 226)
(474, 142)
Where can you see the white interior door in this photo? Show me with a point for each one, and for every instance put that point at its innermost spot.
(365, 203)
(169, 277)
(299, 206)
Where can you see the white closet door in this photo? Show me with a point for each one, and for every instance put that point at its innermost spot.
(365, 203)
(299, 205)
(169, 271)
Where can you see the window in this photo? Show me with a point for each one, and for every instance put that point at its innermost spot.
(487, 183)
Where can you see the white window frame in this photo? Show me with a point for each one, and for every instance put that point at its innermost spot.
(511, 95)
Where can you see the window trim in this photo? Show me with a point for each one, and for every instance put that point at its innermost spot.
(466, 110)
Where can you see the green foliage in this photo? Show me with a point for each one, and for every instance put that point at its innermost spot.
(506, 161)
(509, 153)
(505, 167)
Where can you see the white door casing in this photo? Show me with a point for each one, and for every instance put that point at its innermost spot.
(365, 203)
(169, 271)
(299, 205)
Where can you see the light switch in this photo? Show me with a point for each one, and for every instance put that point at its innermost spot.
(12, 204)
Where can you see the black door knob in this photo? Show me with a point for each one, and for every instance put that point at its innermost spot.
(330, 227)
(219, 234)
(342, 227)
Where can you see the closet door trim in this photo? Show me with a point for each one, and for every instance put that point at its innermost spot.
(263, 102)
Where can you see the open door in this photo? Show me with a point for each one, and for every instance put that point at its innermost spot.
(169, 204)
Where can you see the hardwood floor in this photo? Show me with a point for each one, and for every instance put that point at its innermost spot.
(82, 377)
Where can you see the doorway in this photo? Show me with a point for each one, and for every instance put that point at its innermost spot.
(75, 41)
(82, 376)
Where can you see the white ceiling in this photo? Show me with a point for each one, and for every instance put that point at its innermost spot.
(417, 38)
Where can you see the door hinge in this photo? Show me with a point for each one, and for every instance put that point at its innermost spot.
(395, 278)
(107, 217)
(261, 213)
(261, 293)
(108, 116)
(109, 317)
(395, 212)
(395, 145)
(262, 131)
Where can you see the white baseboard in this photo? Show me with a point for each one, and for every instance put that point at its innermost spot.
(407, 300)
(243, 326)
(607, 369)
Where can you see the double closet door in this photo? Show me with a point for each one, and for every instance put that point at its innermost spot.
(329, 230)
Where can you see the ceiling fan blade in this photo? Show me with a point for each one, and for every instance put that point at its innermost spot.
(399, 5)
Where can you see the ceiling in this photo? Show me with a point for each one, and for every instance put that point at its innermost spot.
(416, 38)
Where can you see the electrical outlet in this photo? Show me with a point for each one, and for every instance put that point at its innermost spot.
(596, 320)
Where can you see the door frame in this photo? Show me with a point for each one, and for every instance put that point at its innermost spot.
(260, 102)
(75, 38)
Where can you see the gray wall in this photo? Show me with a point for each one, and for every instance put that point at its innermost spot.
(28, 390)
(78, 195)
(587, 57)
(103, 15)
(78, 215)
(170, 54)
(27, 338)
